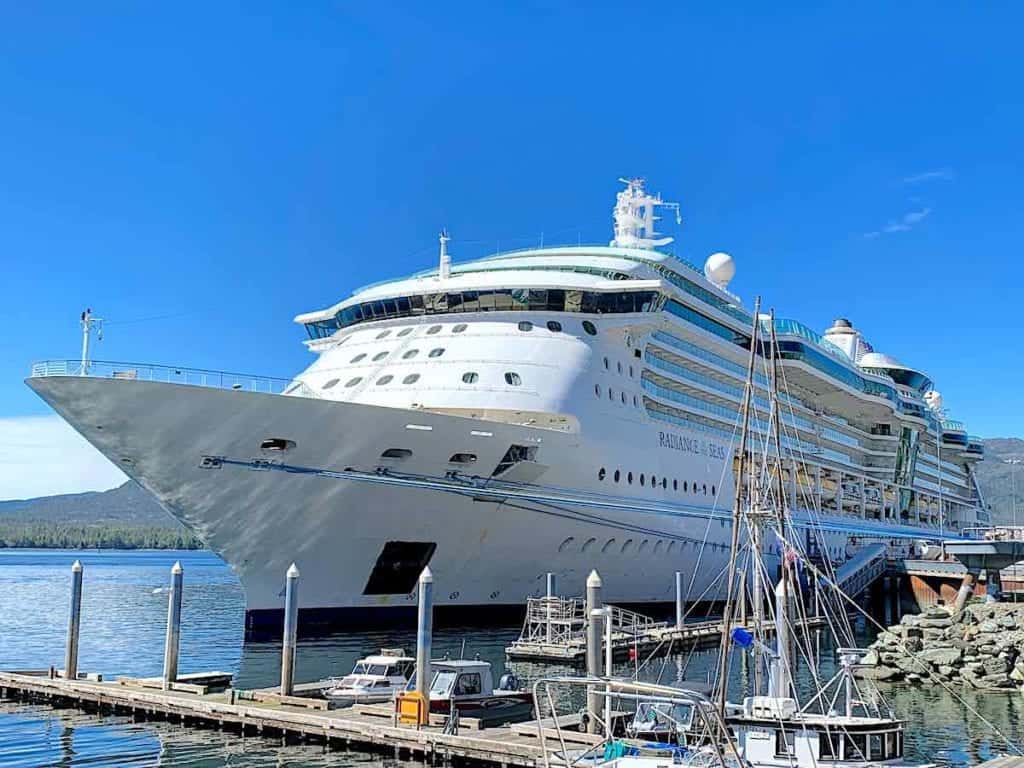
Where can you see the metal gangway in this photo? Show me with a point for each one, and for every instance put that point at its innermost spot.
(863, 569)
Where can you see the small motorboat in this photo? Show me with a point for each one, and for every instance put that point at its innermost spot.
(468, 686)
(373, 680)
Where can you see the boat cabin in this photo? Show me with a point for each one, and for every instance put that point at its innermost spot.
(787, 738)
(461, 679)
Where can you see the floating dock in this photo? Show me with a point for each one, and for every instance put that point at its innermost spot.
(368, 727)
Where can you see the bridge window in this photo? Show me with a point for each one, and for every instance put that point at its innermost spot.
(470, 377)
(433, 329)
(382, 334)
(554, 326)
(412, 378)
(329, 384)
(405, 332)
(437, 352)
(460, 328)
(358, 357)
(525, 325)
(380, 356)
(589, 329)
(353, 382)
(384, 380)
(513, 379)
(409, 354)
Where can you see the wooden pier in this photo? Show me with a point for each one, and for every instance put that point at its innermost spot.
(367, 727)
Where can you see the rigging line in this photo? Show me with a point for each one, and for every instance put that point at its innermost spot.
(925, 667)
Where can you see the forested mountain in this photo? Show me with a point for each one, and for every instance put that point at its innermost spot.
(998, 478)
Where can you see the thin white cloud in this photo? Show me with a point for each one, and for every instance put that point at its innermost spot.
(42, 456)
(940, 174)
(905, 223)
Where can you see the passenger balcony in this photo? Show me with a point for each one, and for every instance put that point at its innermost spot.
(198, 377)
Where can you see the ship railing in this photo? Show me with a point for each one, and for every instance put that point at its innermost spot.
(168, 374)
(996, 533)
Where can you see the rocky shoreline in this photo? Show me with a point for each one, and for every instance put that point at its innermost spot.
(980, 647)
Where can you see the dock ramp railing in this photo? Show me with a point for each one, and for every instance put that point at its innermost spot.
(860, 571)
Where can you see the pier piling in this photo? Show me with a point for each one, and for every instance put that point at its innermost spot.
(172, 639)
(74, 623)
(680, 602)
(424, 631)
(550, 602)
(595, 618)
(291, 629)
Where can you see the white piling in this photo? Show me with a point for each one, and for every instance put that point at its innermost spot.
(74, 623)
(291, 630)
(549, 603)
(595, 617)
(424, 631)
(680, 601)
(172, 639)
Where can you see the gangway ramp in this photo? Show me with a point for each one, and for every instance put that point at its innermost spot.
(863, 569)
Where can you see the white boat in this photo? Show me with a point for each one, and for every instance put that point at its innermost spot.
(373, 679)
(533, 411)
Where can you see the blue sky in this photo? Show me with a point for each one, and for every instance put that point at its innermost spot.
(223, 168)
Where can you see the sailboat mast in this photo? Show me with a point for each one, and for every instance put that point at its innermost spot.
(737, 516)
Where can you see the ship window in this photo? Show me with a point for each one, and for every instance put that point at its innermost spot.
(664, 483)
(617, 475)
(610, 395)
(713, 491)
(636, 353)
(358, 357)
(329, 384)
(686, 487)
(412, 378)
(513, 379)
(433, 329)
(396, 453)
(554, 326)
(436, 352)
(353, 382)
(606, 363)
(622, 397)
(631, 371)
(405, 332)
(384, 380)
(382, 334)
(525, 325)
(654, 481)
(785, 743)
(855, 747)
(470, 377)
(618, 365)
(629, 478)
(277, 444)
(828, 745)
(635, 403)
(642, 478)
(462, 458)
(410, 353)
(459, 328)
(380, 356)
(675, 485)
(705, 489)
(597, 390)
(589, 328)
(601, 474)
(875, 743)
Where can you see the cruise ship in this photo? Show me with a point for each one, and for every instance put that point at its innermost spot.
(546, 410)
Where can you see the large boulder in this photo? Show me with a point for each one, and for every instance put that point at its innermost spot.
(941, 656)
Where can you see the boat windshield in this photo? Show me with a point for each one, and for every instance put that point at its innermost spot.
(662, 716)
(442, 682)
(362, 668)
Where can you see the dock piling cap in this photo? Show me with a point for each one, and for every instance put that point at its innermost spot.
(76, 567)
(426, 577)
(176, 568)
(293, 571)
(594, 579)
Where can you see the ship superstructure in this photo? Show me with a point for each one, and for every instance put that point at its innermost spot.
(528, 412)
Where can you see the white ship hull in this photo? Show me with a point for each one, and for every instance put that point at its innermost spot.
(326, 506)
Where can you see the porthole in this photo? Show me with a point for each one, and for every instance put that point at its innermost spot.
(380, 356)
(329, 384)
(675, 485)
(713, 491)
(433, 329)
(436, 352)
(554, 326)
(642, 479)
(513, 379)
(597, 390)
(686, 487)
(396, 453)
(608, 545)
(353, 382)
(664, 483)
(705, 489)
(606, 363)
(610, 395)
(566, 543)
(589, 329)
(617, 475)
(525, 325)
(462, 458)
(409, 354)
(460, 328)
(629, 478)
(601, 474)
(358, 357)
(412, 378)
(384, 380)
(382, 334)
(618, 367)
(654, 481)
(470, 377)
(405, 332)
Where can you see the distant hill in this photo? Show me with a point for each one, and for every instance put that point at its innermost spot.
(127, 504)
(997, 480)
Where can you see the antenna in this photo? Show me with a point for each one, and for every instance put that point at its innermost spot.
(88, 323)
(444, 269)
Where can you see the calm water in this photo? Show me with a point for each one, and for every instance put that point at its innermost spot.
(124, 611)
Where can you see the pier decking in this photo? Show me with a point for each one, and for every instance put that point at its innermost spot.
(365, 726)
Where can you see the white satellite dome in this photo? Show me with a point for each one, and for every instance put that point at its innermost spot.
(720, 269)
(934, 399)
